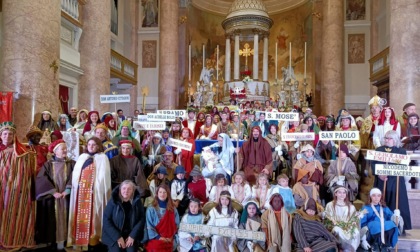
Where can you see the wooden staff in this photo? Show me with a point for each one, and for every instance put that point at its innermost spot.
(339, 159)
(396, 206)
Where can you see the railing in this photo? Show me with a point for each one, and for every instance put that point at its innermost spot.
(379, 65)
(123, 68)
(72, 11)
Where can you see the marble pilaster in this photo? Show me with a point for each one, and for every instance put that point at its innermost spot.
(236, 59)
(265, 59)
(315, 83)
(30, 46)
(404, 53)
(168, 55)
(374, 36)
(227, 59)
(95, 56)
(332, 91)
(255, 64)
(133, 56)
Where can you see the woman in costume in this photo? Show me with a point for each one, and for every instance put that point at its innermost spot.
(63, 122)
(387, 121)
(310, 233)
(91, 190)
(278, 149)
(124, 219)
(162, 221)
(52, 191)
(412, 129)
(47, 122)
(309, 163)
(389, 188)
(82, 116)
(185, 157)
(112, 127)
(250, 220)
(89, 129)
(378, 224)
(208, 130)
(343, 220)
(223, 215)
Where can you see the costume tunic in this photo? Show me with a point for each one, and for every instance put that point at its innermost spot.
(184, 244)
(287, 195)
(348, 169)
(278, 228)
(208, 132)
(391, 188)
(54, 177)
(223, 219)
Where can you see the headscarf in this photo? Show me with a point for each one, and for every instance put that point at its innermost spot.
(68, 125)
(244, 216)
(255, 149)
(226, 156)
(88, 126)
(392, 120)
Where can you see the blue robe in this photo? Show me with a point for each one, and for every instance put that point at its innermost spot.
(288, 199)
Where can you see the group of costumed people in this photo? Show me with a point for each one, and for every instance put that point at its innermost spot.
(130, 189)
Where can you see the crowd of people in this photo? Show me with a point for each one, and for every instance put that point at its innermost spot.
(123, 189)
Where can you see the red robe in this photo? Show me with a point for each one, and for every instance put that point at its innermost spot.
(167, 229)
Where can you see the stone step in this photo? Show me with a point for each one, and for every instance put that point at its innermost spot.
(410, 241)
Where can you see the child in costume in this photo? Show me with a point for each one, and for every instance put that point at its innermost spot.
(190, 241)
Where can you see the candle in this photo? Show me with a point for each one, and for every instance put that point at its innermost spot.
(217, 63)
(204, 55)
(276, 62)
(304, 75)
(189, 62)
(290, 57)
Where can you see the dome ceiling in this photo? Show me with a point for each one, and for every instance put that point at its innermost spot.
(222, 7)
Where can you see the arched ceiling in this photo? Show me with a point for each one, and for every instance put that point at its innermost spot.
(221, 7)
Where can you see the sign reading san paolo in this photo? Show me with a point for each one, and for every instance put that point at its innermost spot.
(281, 116)
(149, 125)
(177, 113)
(222, 231)
(387, 157)
(338, 135)
(397, 170)
(160, 117)
(115, 98)
(179, 144)
(298, 136)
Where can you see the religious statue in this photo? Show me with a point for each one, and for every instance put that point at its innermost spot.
(288, 74)
(206, 75)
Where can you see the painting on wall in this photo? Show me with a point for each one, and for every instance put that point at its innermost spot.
(149, 49)
(356, 48)
(355, 10)
(114, 17)
(150, 16)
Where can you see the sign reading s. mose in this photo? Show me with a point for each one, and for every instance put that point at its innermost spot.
(281, 116)
(115, 98)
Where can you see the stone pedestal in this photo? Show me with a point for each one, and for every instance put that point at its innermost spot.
(168, 55)
(95, 56)
(332, 91)
(30, 52)
(404, 53)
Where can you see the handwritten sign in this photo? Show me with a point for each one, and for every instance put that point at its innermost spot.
(282, 116)
(338, 135)
(179, 144)
(387, 157)
(298, 136)
(115, 98)
(154, 117)
(177, 113)
(222, 231)
(149, 125)
(397, 170)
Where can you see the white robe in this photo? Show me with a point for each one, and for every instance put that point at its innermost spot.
(221, 243)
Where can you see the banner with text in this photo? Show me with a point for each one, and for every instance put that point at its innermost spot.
(222, 231)
(177, 113)
(179, 144)
(149, 125)
(387, 157)
(142, 118)
(115, 98)
(338, 135)
(282, 116)
(298, 136)
(155, 117)
(397, 170)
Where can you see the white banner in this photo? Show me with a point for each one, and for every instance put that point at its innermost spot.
(177, 113)
(149, 125)
(387, 157)
(397, 170)
(282, 116)
(298, 136)
(142, 118)
(338, 135)
(179, 144)
(72, 142)
(160, 117)
(115, 98)
(222, 231)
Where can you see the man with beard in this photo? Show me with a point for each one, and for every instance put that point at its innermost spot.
(168, 163)
(175, 131)
(368, 126)
(73, 116)
(255, 156)
(408, 108)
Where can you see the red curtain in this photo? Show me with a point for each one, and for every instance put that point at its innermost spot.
(6, 106)
(63, 93)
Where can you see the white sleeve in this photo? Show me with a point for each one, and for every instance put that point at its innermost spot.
(173, 191)
(212, 196)
(247, 193)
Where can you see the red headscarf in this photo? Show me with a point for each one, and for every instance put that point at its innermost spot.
(107, 120)
(89, 121)
(393, 121)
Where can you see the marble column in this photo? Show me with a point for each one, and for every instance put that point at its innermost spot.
(133, 56)
(404, 53)
(314, 77)
(95, 56)
(168, 55)
(236, 59)
(30, 52)
(332, 91)
(227, 59)
(255, 64)
(374, 36)
(265, 58)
